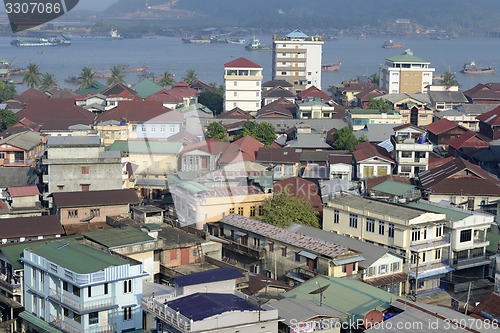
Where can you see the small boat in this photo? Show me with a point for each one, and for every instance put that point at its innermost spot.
(362, 37)
(71, 79)
(472, 68)
(21, 42)
(240, 41)
(197, 40)
(255, 45)
(137, 69)
(113, 35)
(331, 67)
(390, 44)
(103, 75)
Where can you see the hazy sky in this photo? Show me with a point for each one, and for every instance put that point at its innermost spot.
(94, 4)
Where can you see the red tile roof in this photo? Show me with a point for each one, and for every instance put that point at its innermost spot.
(441, 126)
(468, 139)
(95, 198)
(23, 191)
(182, 89)
(242, 63)
(488, 91)
(30, 226)
(136, 111)
(491, 118)
(489, 305)
(119, 89)
(243, 149)
(435, 162)
(280, 108)
(165, 96)
(314, 92)
(340, 158)
(236, 113)
(56, 113)
(367, 150)
(302, 188)
(211, 145)
(29, 94)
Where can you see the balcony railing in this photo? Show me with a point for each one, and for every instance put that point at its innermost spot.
(77, 304)
(65, 326)
(462, 263)
(252, 252)
(171, 316)
(7, 282)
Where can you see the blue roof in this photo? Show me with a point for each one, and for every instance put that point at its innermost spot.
(204, 305)
(297, 34)
(213, 275)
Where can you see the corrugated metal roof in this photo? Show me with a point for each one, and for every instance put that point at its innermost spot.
(393, 188)
(116, 237)
(212, 275)
(95, 198)
(26, 140)
(23, 191)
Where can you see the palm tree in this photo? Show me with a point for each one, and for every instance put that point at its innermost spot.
(116, 75)
(190, 76)
(32, 76)
(86, 78)
(166, 79)
(49, 81)
(449, 79)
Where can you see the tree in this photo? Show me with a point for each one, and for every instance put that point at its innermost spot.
(379, 104)
(117, 75)
(264, 132)
(7, 91)
(31, 77)
(283, 209)
(166, 79)
(190, 76)
(7, 118)
(219, 88)
(344, 139)
(86, 77)
(374, 78)
(217, 131)
(449, 79)
(49, 81)
(211, 100)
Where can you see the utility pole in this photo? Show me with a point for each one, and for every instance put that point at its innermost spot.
(416, 275)
(468, 297)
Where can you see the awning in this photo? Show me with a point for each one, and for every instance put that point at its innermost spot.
(239, 233)
(295, 276)
(40, 323)
(308, 255)
(439, 271)
(338, 262)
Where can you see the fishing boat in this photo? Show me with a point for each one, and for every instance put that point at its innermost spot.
(113, 35)
(390, 44)
(255, 45)
(21, 42)
(240, 41)
(472, 68)
(331, 67)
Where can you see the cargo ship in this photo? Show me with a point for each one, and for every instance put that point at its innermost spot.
(472, 68)
(113, 35)
(331, 67)
(21, 42)
(390, 44)
(255, 45)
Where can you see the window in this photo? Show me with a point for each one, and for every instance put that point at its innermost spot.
(283, 251)
(297, 257)
(370, 225)
(371, 271)
(127, 286)
(336, 216)
(381, 227)
(437, 254)
(353, 221)
(95, 212)
(423, 256)
(231, 210)
(65, 286)
(134, 128)
(77, 318)
(415, 234)
(235, 83)
(261, 210)
(235, 93)
(257, 93)
(439, 230)
(406, 154)
(390, 231)
(89, 291)
(153, 128)
(344, 268)
(256, 242)
(271, 247)
(143, 128)
(382, 269)
(252, 211)
(66, 312)
(72, 213)
(283, 73)
(106, 290)
(162, 128)
(240, 210)
(395, 267)
(172, 128)
(127, 313)
(465, 235)
(93, 318)
(85, 170)
(76, 291)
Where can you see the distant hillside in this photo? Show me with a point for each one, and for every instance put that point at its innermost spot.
(459, 15)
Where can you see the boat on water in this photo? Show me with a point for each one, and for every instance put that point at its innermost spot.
(113, 35)
(22, 42)
(239, 41)
(255, 45)
(472, 68)
(390, 44)
(331, 67)
(362, 37)
(137, 69)
(197, 40)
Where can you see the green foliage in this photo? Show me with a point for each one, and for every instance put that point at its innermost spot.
(379, 104)
(31, 77)
(217, 131)
(167, 79)
(49, 81)
(212, 100)
(7, 91)
(86, 77)
(449, 79)
(190, 76)
(283, 209)
(219, 88)
(7, 118)
(374, 78)
(264, 132)
(117, 75)
(344, 139)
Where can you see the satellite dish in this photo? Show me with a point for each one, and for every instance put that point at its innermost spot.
(319, 290)
(373, 317)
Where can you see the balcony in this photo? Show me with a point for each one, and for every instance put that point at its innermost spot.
(7, 282)
(463, 263)
(15, 162)
(78, 305)
(424, 245)
(172, 317)
(65, 326)
(252, 252)
(430, 269)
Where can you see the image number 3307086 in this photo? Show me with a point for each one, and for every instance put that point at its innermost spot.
(27, 14)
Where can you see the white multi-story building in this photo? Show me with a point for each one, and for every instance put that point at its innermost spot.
(411, 150)
(405, 73)
(242, 85)
(297, 59)
(78, 288)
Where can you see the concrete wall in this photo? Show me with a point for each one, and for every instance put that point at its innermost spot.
(83, 212)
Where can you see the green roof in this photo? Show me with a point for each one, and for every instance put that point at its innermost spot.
(146, 88)
(494, 239)
(405, 57)
(146, 147)
(451, 213)
(118, 236)
(371, 111)
(40, 323)
(94, 89)
(14, 252)
(393, 188)
(152, 226)
(79, 258)
(354, 298)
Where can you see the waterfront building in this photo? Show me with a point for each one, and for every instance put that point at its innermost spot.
(297, 59)
(242, 85)
(405, 73)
